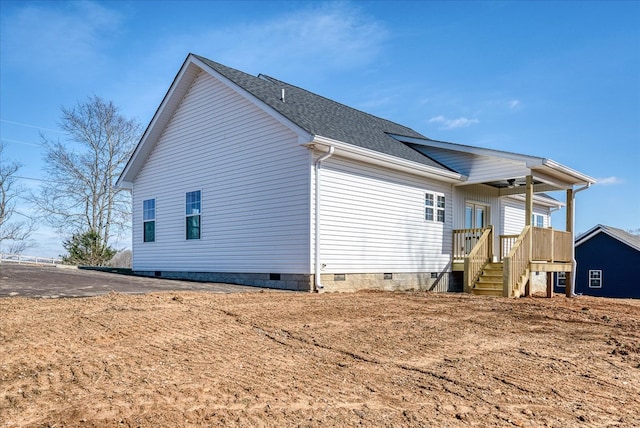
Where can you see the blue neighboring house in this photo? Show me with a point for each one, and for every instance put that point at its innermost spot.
(608, 260)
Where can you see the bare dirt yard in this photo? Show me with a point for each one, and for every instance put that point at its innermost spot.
(293, 359)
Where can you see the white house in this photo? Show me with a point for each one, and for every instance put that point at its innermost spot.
(254, 181)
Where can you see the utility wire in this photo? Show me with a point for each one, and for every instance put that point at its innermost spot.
(21, 142)
(31, 126)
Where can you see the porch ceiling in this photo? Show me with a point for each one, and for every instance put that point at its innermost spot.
(545, 179)
(518, 186)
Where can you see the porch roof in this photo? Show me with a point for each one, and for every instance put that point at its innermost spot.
(506, 171)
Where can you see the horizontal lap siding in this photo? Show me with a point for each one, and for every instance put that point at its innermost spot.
(505, 214)
(372, 220)
(513, 214)
(477, 168)
(477, 194)
(254, 179)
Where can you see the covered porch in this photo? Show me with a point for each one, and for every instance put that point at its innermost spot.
(508, 273)
(503, 264)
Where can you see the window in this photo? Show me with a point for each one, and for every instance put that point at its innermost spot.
(561, 279)
(595, 279)
(434, 207)
(428, 210)
(193, 212)
(537, 220)
(149, 220)
(440, 209)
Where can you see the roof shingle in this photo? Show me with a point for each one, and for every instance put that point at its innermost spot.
(320, 116)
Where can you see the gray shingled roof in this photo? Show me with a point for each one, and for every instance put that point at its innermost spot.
(320, 116)
(619, 234)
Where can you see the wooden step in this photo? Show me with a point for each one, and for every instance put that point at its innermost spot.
(490, 281)
(487, 292)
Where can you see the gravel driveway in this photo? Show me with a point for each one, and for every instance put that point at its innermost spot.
(51, 282)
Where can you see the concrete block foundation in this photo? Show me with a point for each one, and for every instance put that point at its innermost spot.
(333, 282)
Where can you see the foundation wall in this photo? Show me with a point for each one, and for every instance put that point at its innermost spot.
(422, 281)
(294, 282)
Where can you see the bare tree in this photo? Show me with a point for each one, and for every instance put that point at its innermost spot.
(79, 194)
(15, 226)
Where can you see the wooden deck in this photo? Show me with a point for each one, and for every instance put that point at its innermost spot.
(534, 250)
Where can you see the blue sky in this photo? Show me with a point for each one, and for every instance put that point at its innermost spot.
(553, 79)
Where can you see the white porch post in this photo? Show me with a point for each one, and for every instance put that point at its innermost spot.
(571, 215)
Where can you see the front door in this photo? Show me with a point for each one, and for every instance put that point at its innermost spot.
(475, 217)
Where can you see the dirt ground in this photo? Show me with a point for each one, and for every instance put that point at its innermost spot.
(297, 359)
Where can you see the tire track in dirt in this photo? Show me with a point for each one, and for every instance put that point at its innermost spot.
(282, 359)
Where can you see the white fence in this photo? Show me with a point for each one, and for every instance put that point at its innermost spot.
(31, 260)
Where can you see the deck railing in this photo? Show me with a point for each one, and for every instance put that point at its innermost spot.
(464, 240)
(475, 248)
(517, 262)
(478, 257)
(551, 245)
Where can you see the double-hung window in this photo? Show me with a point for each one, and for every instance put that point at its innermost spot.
(561, 279)
(595, 279)
(193, 212)
(434, 207)
(149, 220)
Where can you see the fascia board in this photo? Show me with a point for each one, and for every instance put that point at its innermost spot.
(601, 229)
(589, 234)
(377, 158)
(142, 150)
(580, 177)
(302, 134)
(530, 160)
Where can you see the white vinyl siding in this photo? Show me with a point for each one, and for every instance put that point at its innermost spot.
(373, 221)
(254, 178)
(477, 168)
(479, 195)
(513, 215)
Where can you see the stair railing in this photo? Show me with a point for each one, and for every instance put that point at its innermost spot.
(479, 256)
(464, 240)
(506, 244)
(516, 263)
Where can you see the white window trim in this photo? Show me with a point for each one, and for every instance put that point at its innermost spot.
(599, 279)
(435, 209)
(558, 280)
(536, 216)
(192, 215)
(155, 207)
